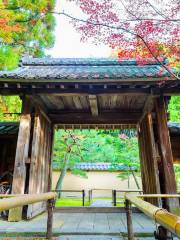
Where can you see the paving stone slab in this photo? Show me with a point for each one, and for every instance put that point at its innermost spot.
(81, 223)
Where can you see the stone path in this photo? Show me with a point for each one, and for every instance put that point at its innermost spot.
(101, 203)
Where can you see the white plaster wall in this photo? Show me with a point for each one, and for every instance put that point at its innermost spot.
(95, 180)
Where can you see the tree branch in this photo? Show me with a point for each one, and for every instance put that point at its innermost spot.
(125, 30)
(157, 10)
(116, 28)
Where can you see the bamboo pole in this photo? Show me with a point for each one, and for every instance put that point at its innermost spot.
(159, 195)
(168, 220)
(6, 204)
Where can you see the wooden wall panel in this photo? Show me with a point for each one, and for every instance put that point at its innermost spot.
(39, 170)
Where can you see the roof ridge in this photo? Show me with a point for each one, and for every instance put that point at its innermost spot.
(46, 61)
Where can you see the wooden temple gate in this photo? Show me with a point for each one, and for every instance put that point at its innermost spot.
(90, 93)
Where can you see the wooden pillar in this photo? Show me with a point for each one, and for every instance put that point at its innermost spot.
(51, 143)
(51, 203)
(22, 149)
(167, 180)
(148, 156)
(129, 220)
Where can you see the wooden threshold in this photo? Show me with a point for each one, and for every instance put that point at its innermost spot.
(94, 210)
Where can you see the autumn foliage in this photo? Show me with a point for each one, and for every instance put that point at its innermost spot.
(142, 29)
(25, 27)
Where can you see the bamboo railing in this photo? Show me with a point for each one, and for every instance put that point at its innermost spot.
(21, 200)
(166, 219)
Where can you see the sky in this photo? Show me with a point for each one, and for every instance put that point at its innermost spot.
(67, 41)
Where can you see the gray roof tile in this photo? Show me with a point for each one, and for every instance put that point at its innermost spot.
(98, 166)
(174, 127)
(7, 128)
(49, 68)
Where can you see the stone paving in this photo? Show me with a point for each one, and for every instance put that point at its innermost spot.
(83, 223)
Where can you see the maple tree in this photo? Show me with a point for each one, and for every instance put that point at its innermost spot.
(142, 29)
(25, 27)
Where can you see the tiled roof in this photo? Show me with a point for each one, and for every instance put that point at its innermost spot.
(87, 68)
(8, 128)
(174, 127)
(46, 61)
(98, 166)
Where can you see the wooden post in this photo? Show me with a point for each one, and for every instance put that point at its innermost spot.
(50, 207)
(148, 157)
(22, 149)
(51, 203)
(114, 197)
(89, 196)
(129, 220)
(167, 180)
(83, 197)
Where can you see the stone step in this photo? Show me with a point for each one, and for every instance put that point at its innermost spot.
(96, 237)
(93, 210)
(92, 237)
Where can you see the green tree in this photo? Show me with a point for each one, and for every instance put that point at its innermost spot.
(9, 58)
(75, 146)
(128, 155)
(9, 105)
(26, 26)
(177, 174)
(174, 109)
(67, 152)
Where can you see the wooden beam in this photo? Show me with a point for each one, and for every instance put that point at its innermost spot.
(103, 118)
(149, 103)
(95, 126)
(94, 89)
(144, 80)
(148, 107)
(88, 91)
(19, 175)
(167, 180)
(93, 105)
(38, 103)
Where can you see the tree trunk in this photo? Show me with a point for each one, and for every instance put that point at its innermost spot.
(62, 174)
(135, 178)
(128, 180)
